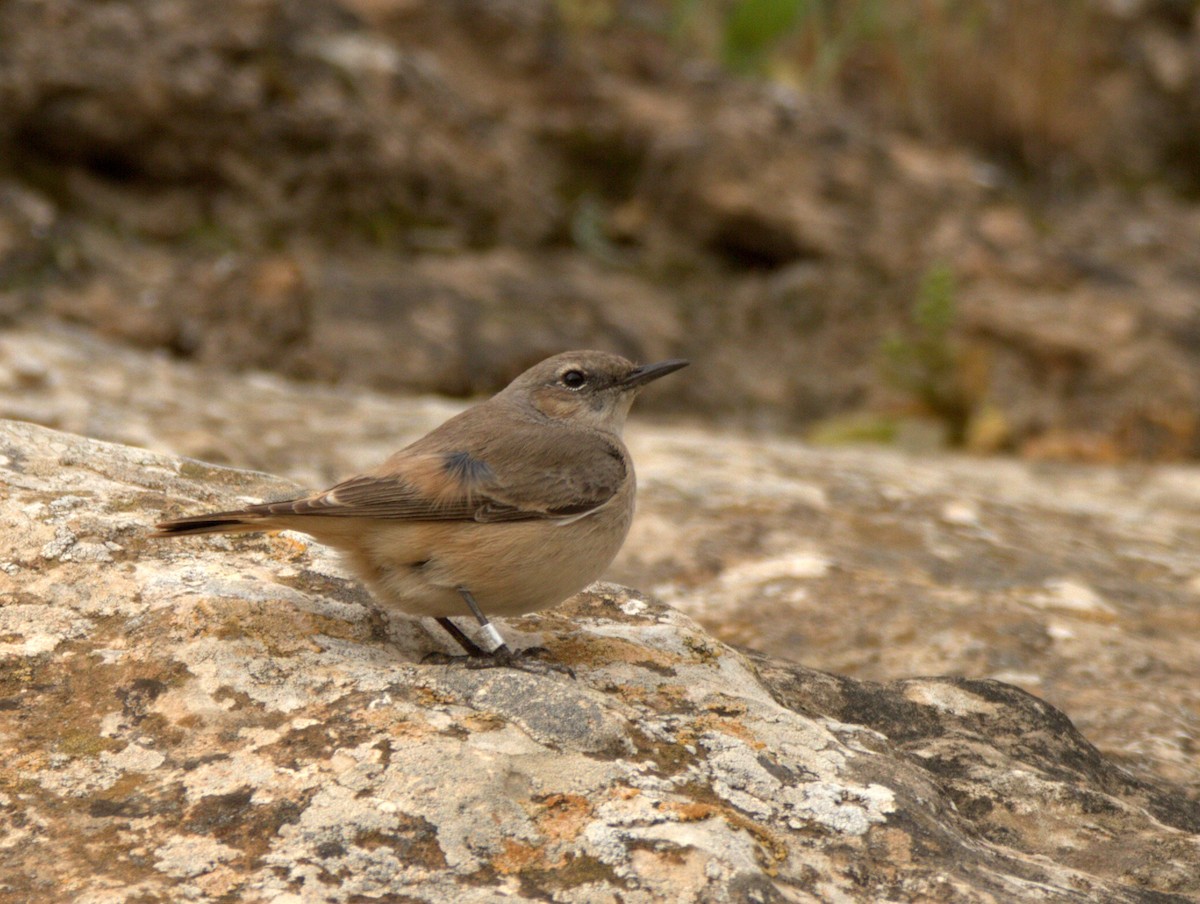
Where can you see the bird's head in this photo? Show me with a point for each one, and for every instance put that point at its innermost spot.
(587, 387)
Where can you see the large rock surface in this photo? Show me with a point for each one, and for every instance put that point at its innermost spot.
(1079, 585)
(222, 719)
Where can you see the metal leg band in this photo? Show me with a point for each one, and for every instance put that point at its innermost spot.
(489, 630)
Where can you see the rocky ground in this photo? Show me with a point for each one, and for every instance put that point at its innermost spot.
(232, 720)
(1076, 584)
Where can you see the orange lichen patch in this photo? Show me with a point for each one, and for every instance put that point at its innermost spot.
(563, 816)
(725, 705)
(395, 724)
(673, 693)
(428, 697)
(711, 722)
(481, 722)
(771, 848)
(289, 546)
(220, 881)
(15, 774)
(518, 856)
(693, 811)
(686, 736)
(634, 694)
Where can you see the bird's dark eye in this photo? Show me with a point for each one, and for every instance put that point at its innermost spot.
(573, 379)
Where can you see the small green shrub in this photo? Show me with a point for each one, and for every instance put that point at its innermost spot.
(923, 362)
(753, 28)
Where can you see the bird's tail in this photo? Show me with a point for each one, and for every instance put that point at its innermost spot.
(214, 523)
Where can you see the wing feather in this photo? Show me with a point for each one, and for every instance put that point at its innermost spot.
(524, 475)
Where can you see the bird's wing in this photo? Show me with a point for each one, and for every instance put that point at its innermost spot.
(547, 473)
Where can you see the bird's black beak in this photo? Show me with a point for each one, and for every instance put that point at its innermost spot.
(640, 376)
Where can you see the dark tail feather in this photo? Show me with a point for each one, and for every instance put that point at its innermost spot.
(214, 523)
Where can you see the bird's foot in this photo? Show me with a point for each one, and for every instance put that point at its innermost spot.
(529, 660)
(437, 657)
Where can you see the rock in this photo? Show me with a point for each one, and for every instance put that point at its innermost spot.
(1126, 361)
(1076, 584)
(231, 718)
(286, 114)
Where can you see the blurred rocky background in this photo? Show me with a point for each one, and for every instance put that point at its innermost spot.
(965, 223)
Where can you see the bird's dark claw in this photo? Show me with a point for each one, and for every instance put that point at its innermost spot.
(527, 660)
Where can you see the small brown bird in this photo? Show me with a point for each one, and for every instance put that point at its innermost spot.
(509, 507)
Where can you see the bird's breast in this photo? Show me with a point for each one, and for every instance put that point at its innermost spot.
(511, 568)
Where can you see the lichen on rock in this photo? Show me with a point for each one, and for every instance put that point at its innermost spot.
(231, 719)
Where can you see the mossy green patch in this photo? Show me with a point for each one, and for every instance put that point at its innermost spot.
(84, 743)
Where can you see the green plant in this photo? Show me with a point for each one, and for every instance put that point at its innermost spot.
(809, 40)
(753, 28)
(923, 362)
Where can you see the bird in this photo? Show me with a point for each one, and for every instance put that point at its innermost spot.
(507, 508)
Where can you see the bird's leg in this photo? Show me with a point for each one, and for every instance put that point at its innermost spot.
(473, 650)
(463, 641)
(501, 654)
(500, 648)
